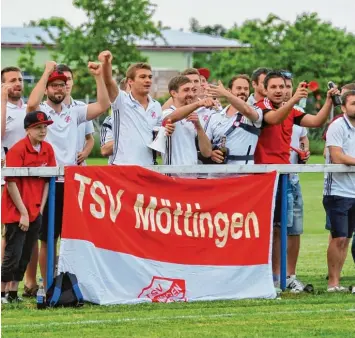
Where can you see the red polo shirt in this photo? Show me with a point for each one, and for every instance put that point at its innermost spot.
(22, 154)
(274, 142)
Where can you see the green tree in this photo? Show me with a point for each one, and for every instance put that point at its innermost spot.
(111, 24)
(26, 62)
(310, 48)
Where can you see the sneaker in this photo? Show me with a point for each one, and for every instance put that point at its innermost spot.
(337, 289)
(14, 300)
(294, 285)
(4, 300)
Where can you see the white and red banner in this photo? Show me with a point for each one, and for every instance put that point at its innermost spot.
(132, 235)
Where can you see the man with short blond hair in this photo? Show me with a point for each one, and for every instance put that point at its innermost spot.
(135, 115)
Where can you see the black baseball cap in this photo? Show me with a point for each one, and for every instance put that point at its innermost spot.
(36, 117)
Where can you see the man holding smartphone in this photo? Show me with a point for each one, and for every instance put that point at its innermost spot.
(275, 139)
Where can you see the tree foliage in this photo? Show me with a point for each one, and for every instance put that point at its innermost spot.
(26, 62)
(111, 24)
(310, 48)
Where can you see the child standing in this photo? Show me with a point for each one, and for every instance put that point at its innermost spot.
(23, 202)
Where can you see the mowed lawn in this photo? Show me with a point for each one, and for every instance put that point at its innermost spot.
(304, 315)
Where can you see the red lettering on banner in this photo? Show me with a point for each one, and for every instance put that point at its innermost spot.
(138, 212)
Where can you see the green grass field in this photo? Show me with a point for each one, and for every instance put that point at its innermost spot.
(304, 315)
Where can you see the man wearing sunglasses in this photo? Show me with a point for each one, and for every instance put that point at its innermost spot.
(275, 139)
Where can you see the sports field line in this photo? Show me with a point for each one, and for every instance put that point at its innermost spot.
(183, 317)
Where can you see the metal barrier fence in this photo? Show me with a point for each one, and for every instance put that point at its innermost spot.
(283, 169)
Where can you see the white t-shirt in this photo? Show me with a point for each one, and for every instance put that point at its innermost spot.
(133, 129)
(341, 133)
(106, 134)
(37, 147)
(183, 146)
(239, 141)
(297, 133)
(15, 130)
(251, 100)
(63, 133)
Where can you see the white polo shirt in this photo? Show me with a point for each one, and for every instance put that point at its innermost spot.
(106, 134)
(204, 115)
(341, 133)
(183, 146)
(84, 129)
(15, 130)
(63, 133)
(133, 129)
(239, 141)
(3, 158)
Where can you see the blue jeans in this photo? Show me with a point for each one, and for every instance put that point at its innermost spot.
(294, 208)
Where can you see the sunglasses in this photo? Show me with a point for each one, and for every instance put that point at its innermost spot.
(287, 75)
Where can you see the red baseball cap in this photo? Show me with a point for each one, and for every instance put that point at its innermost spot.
(57, 75)
(204, 72)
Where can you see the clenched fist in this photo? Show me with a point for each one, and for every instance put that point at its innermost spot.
(50, 67)
(105, 57)
(5, 88)
(95, 68)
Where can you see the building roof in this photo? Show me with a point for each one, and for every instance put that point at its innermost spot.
(171, 40)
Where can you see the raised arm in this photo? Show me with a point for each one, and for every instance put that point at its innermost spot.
(182, 112)
(204, 142)
(105, 58)
(168, 103)
(103, 101)
(316, 121)
(38, 91)
(279, 115)
(5, 87)
(235, 101)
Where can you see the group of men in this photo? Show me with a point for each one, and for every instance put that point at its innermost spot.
(260, 128)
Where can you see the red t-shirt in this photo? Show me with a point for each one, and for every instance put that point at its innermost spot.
(324, 136)
(22, 154)
(274, 142)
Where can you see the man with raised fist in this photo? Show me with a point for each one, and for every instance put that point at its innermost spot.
(64, 131)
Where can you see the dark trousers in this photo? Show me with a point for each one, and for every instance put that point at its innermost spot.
(18, 249)
(353, 247)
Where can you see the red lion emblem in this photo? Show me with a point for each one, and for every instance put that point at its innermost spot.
(165, 290)
(40, 117)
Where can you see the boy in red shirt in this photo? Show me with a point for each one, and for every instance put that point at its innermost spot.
(23, 202)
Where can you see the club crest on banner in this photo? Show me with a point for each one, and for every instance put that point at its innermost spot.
(165, 290)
